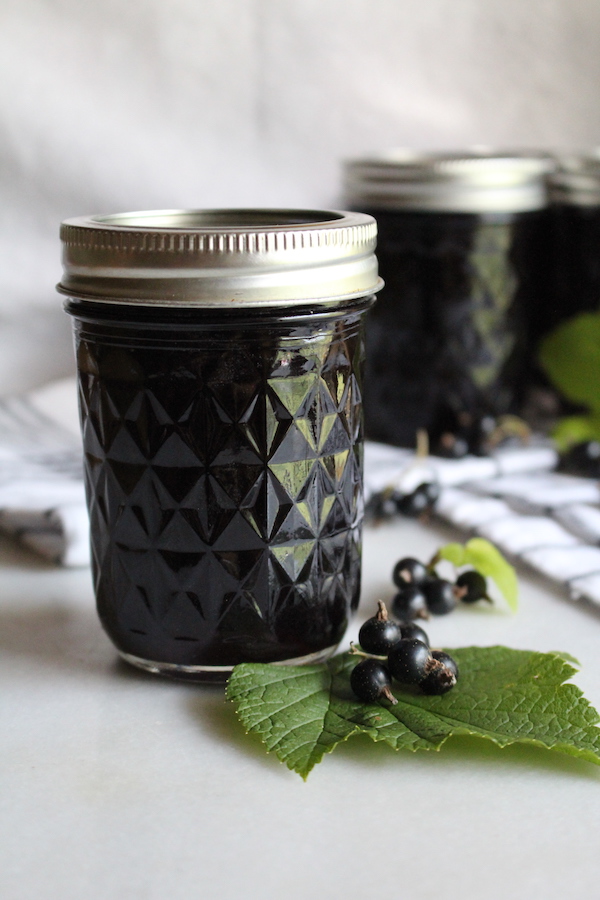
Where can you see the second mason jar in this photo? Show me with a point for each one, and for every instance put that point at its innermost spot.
(463, 251)
(575, 207)
(220, 363)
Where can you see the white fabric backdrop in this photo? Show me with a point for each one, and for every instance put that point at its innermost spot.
(108, 105)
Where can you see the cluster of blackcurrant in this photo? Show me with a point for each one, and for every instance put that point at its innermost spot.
(398, 650)
(478, 433)
(421, 591)
(389, 503)
(582, 459)
(467, 434)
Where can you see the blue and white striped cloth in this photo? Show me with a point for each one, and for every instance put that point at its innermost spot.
(536, 516)
(543, 519)
(42, 500)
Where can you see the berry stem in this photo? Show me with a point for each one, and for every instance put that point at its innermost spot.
(386, 692)
(382, 613)
(356, 651)
(443, 672)
(432, 664)
(430, 566)
(422, 448)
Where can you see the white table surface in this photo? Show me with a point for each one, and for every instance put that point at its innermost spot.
(116, 784)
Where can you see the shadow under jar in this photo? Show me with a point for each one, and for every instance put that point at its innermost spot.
(463, 251)
(220, 360)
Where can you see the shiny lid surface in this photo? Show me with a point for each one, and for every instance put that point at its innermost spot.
(577, 181)
(220, 258)
(472, 182)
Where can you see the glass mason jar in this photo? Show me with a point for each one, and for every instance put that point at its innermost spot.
(462, 250)
(220, 363)
(575, 206)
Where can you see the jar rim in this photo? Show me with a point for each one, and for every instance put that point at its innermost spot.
(577, 181)
(209, 220)
(220, 257)
(476, 181)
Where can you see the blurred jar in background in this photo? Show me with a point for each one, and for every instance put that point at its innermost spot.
(574, 193)
(463, 250)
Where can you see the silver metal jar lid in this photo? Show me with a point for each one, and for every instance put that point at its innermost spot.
(472, 182)
(576, 181)
(220, 258)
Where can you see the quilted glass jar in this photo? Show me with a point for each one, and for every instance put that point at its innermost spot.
(463, 249)
(220, 364)
(575, 205)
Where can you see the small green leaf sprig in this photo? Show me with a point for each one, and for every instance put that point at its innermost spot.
(486, 559)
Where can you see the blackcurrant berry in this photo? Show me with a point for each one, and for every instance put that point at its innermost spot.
(410, 603)
(397, 498)
(421, 500)
(481, 437)
(408, 571)
(412, 631)
(381, 506)
(442, 674)
(451, 446)
(439, 596)
(446, 660)
(432, 491)
(471, 587)
(413, 505)
(407, 661)
(582, 459)
(370, 681)
(379, 634)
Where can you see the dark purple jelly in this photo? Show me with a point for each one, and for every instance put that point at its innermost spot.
(223, 459)
(447, 340)
(573, 263)
(576, 258)
(575, 208)
(463, 251)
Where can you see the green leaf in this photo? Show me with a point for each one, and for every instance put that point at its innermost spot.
(575, 430)
(507, 696)
(570, 356)
(567, 658)
(454, 553)
(487, 559)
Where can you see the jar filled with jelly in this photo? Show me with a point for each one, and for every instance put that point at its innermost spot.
(575, 205)
(463, 251)
(220, 359)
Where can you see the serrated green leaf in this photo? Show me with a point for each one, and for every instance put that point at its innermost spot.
(567, 658)
(570, 356)
(507, 696)
(487, 559)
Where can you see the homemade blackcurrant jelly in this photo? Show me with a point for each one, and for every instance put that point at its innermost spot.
(575, 206)
(223, 455)
(462, 249)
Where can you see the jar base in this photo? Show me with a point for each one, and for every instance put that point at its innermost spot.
(214, 674)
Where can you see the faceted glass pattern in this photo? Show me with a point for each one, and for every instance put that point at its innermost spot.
(447, 338)
(223, 462)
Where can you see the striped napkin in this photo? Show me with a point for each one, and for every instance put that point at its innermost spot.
(42, 499)
(514, 498)
(543, 519)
